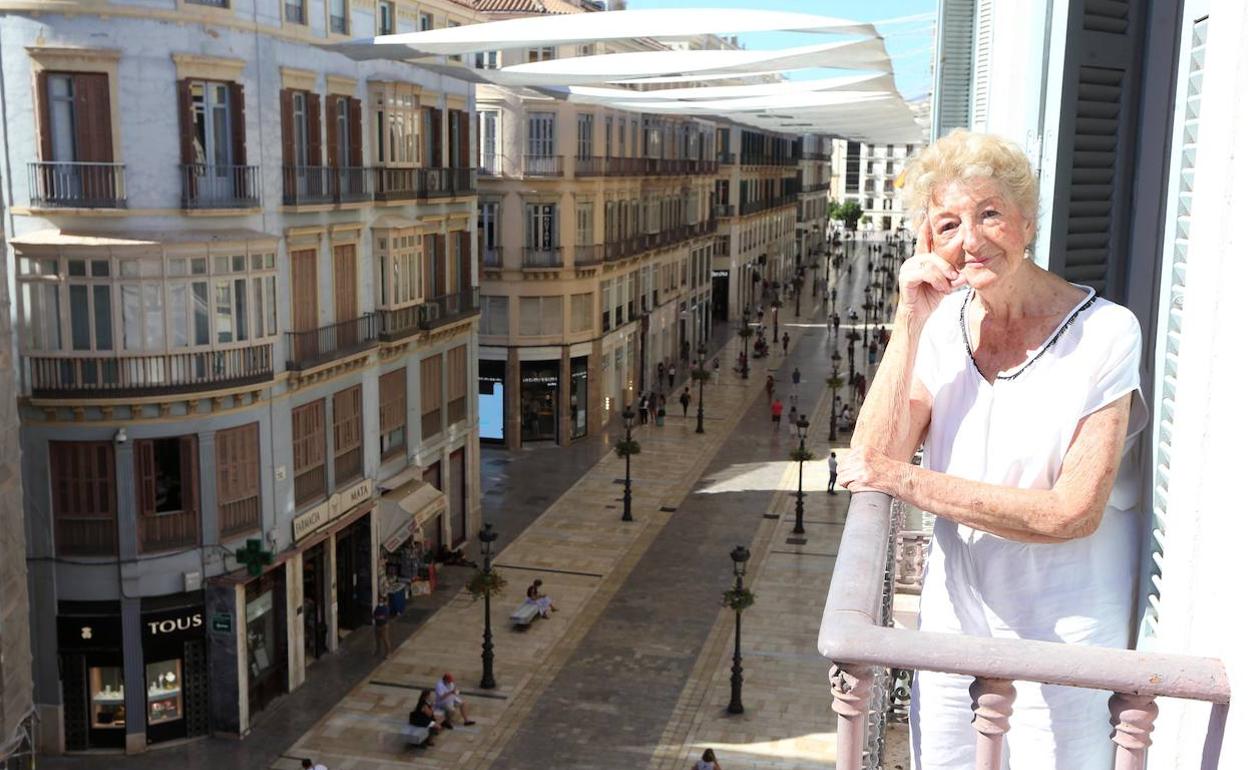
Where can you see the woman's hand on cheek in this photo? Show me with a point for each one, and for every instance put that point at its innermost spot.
(867, 470)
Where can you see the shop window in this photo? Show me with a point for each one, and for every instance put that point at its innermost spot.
(108, 698)
(392, 389)
(430, 396)
(456, 384)
(84, 497)
(164, 691)
(308, 444)
(494, 315)
(348, 436)
(167, 492)
(238, 480)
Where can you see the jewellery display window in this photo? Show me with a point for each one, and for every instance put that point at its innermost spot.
(164, 691)
(261, 635)
(108, 697)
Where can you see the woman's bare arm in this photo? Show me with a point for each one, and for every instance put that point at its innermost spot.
(1071, 509)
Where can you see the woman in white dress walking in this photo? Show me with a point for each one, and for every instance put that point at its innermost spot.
(1019, 386)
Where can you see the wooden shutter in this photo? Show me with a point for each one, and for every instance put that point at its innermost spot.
(308, 435)
(436, 137)
(1173, 289)
(238, 126)
(1096, 142)
(392, 389)
(186, 121)
(954, 65)
(457, 372)
(348, 429)
(189, 446)
(464, 161)
(93, 120)
(345, 294)
(84, 497)
(427, 277)
(238, 480)
(431, 395)
(439, 264)
(355, 122)
(286, 99)
(303, 308)
(331, 129)
(145, 477)
(465, 263)
(314, 129)
(43, 110)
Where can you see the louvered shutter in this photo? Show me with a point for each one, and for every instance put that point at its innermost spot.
(238, 126)
(439, 265)
(982, 65)
(1174, 281)
(332, 111)
(189, 446)
(465, 263)
(314, 130)
(186, 143)
(145, 477)
(286, 101)
(953, 66)
(1096, 139)
(93, 120)
(355, 122)
(42, 109)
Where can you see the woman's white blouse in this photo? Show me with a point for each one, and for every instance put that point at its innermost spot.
(1015, 432)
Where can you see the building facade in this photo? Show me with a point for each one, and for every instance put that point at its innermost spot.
(247, 307)
(870, 174)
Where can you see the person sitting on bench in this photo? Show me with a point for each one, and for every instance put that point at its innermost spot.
(424, 716)
(535, 597)
(448, 700)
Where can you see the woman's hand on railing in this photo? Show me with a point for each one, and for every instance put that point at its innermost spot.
(867, 469)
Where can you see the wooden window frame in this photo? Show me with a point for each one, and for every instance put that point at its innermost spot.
(392, 412)
(167, 530)
(348, 435)
(430, 396)
(68, 463)
(239, 511)
(457, 384)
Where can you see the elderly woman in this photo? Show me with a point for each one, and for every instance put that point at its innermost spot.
(1019, 386)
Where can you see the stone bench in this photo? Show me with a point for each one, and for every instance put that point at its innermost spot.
(415, 736)
(524, 615)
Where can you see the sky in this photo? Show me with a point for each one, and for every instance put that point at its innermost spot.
(909, 40)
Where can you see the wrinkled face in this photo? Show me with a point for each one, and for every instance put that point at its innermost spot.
(978, 229)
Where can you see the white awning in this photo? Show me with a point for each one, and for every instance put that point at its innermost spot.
(404, 511)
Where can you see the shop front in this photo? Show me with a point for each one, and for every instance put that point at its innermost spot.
(491, 401)
(578, 399)
(316, 585)
(539, 400)
(265, 629)
(169, 695)
(408, 513)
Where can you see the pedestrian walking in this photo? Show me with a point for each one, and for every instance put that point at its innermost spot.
(662, 371)
(830, 317)
(381, 627)
(654, 407)
(777, 410)
(836, 323)
(715, 371)
(671, 376)
(658, 418)
(784, 343)
(685, 398)
(832, 473)
(872, 350)
(771, 386)
(797, 376)
(792, 422)
(643, 409)
(707, 762)
(793, 399)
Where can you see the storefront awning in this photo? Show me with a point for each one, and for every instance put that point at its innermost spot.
(405, 510)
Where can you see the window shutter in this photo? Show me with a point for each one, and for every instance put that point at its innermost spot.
(186, 123)
(93, 119)
(286, 100)
(355, 121)
(238, 126)
(393, 397)
(332, 139)
(439, 264)
(1091, 206)
(426, 280)
(1182, 170)
(465, 262)
(314, 130)
(435, 116)
(954, 65)
(145, 477)
(45, 115)
(190, 473)
(463, 139)
(983, 65)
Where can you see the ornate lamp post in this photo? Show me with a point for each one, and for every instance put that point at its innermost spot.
(745, 332)
(802, 426)
(487, 536)
(775, 320)
(701, 382)
(740, 555)
(836, 375)
(628, 416)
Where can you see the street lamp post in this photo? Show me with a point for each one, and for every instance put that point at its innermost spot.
(487, 536)
(628, 416)
(701, 382)
(745, 333)
(775, 320)
(740, 555)
(802, 426)
(836, 372)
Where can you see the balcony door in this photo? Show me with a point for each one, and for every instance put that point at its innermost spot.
(346, 301)
(303, 307)
(75, 140)
(212, 140)
(541, 146)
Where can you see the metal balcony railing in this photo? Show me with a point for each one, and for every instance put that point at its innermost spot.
(104, 376)
(166, 531)
(725, 210)
(588, 254)
(543, 258)
(590, 166)
(463, 181)
(447, 308)
(543, 165)
(491, 164)
(727, 158)
(310, 348)
(868, 654)
(395, 184)
(307, 184)
(492, 257)
(70, 184)
(220, 187)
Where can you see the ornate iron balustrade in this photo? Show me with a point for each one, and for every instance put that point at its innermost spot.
(591, 166)
(543, 258)
(589, 254)
(395, 184)
(307, 184)
(725, 210)
(543, 165)
(868, 655)
(206, 186)
(492, 257)
(105, 376)
(77, 185)
(310, 348)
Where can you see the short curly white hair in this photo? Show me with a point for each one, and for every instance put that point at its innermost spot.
(965, 155)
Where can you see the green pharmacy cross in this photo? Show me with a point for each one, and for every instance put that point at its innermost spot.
(254, 557)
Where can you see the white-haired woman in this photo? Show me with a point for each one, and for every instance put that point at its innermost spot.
(1019, 387)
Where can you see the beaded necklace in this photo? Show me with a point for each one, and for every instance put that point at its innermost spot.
(966, 339)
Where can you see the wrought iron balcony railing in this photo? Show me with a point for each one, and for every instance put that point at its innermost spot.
(307, 184)
(105, 376)
(400, 323)
(588, 254)
(207, 186)
(543, 165)
(313, 347)
(492, 257)
(590, 166)
(543, 258)
(77, 185)
(868, 654)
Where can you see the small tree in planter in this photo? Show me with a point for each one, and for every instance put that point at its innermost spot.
(700, 374)
(485, 584)
(738, 600)
(801, 456)
(627, 448)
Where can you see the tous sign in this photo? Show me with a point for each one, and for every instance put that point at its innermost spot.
(170, 625)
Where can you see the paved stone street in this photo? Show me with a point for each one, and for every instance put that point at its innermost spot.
(632, 671)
